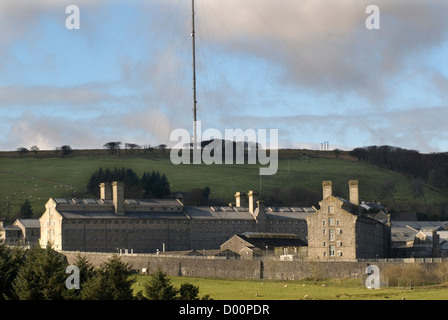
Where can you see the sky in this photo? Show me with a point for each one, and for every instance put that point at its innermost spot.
(311, 69)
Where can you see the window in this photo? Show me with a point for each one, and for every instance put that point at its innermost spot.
(330, 209)
(339, 231)
(339, 243)
(340, 253)
(325, 244)
(324, 231)
(331, 251)
(331, 235)
(331, 221)
(338, 223)
(323, 222)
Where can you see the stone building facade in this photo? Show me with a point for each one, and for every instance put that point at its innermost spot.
(339, 229)
(23, 232)
(113, 223)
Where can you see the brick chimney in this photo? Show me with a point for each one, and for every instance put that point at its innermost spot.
(105, 191)
(327, 189)
(118, 197)
(253, 198)
(354, 192)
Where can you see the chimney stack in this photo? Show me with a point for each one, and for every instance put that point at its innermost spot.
(118, 197)
(354, 192)
(253, 197)
(240, 200)
(105, 191)
(327, 188)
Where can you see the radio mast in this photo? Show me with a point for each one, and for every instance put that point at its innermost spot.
(194, 75)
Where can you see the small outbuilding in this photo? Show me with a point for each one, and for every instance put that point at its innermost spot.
(263, 244)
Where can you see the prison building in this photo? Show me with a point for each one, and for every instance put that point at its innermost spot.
(113, 223)
(340, 230)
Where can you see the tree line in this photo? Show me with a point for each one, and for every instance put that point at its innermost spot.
(149, 185)
(40, 274)
(431, 168)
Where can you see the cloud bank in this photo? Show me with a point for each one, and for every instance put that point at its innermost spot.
(308, 68)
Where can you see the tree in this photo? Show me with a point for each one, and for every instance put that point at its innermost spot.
(66, 150)
(197, 197)
(205, 194)
(337, 152)
(418, 188)
(155, 185)
(22, 151)
(35, 149)
(131, 147)
(10, 262)
(187, 291)
(150, 185)
(26, 211)
(110, 282)
(389, 190)
(113, 147)
(42, 275)
(159, 287)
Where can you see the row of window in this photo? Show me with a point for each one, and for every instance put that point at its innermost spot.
(116, 230)
(331, 222)
(123, 221)
(164, 221)
(332, 252)
(338, 243)
(331, 233)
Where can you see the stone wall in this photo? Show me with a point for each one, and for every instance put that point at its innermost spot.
(240, 269)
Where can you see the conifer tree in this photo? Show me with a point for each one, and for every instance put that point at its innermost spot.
(42, 275)
(110, 282)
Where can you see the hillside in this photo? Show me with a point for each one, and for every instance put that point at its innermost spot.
(40, 176)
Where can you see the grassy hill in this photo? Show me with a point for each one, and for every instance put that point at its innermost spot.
(40, 176)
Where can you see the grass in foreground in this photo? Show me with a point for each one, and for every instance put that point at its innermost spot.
(349, 289)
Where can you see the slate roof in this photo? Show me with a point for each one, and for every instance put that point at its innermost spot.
(233, 213)
(260, 240)
(29, 223)
(420, 224)
(282, 213)
(155, 209)
(402, 234)
(129, 215)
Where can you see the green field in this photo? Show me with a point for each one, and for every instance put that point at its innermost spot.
(348, 289)
(39, 178)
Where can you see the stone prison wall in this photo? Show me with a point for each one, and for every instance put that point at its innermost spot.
(239, 269)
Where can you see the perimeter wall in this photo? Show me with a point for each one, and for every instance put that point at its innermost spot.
(246, 269)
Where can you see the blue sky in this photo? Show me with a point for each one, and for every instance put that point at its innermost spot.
(310, 69)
